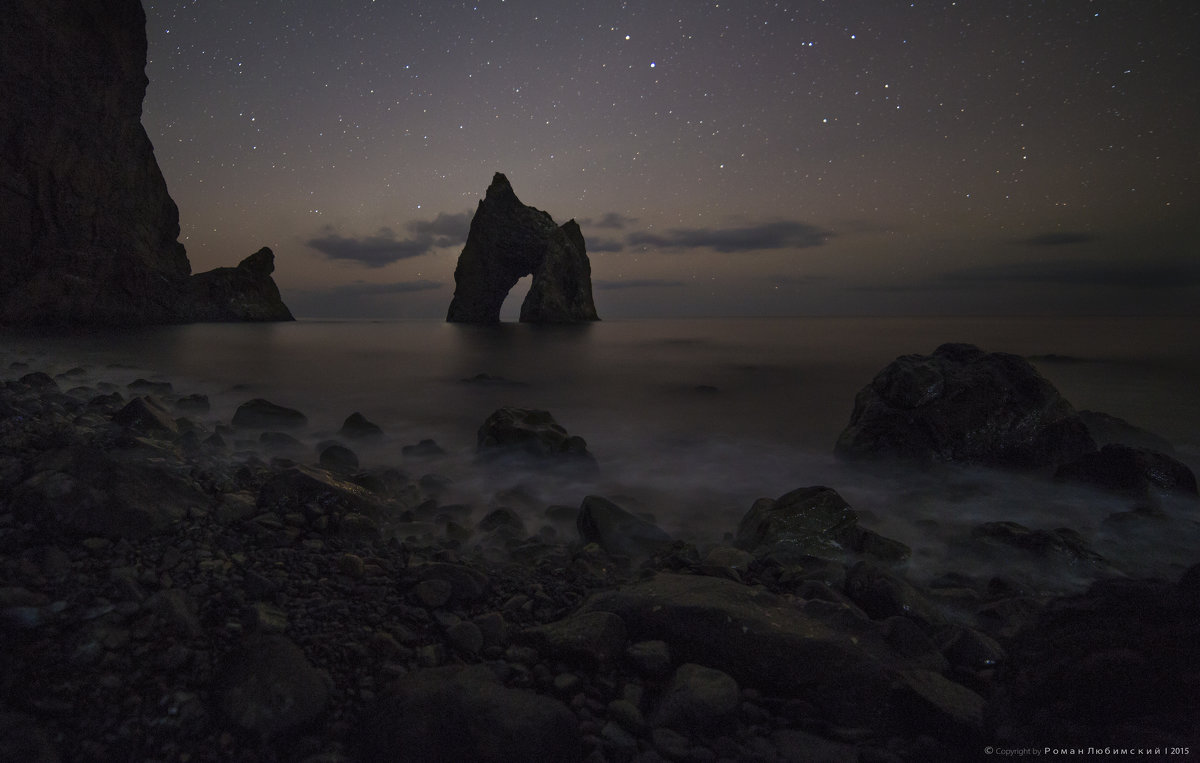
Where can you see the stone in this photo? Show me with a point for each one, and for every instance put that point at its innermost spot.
(465, 713)
(697, 698)
(1061, 543)
(243, 293)
(316, 493)
(338, 458)
(263, 414)
(812, 521)
(616, 530)
(591, 638)
(1132, 472)
(147, 416)
(509, 240)
(964, 405)
(268, 687)
(650, 658)
(1106, 429)
(882, 594)
(89, 491)
(356, 426)
(531, 433)
(763, 641)
(1117, 664)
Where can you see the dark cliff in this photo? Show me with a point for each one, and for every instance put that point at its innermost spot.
(88, 232)
(509, 240)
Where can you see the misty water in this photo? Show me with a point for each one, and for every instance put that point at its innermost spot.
(692, 420)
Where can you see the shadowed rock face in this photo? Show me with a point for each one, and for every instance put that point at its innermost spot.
(87, 229)
(88, 232)
(508, 241)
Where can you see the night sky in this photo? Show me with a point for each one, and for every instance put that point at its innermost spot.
(731, 158)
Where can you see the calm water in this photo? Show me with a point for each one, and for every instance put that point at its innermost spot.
(691, 420)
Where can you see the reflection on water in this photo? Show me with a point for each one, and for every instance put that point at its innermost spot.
(690, 420)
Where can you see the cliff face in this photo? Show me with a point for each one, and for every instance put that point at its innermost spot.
(88, 232)
(509, 240)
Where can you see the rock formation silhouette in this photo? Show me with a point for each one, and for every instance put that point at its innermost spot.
(510, 240)
(88, 232)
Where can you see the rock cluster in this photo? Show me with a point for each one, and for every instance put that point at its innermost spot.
(509, 240)
(88, 232)
(173, 592)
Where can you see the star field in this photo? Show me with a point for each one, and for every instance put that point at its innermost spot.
(722, 158)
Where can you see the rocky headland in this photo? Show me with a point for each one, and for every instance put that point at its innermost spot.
(178, 588)
(88, 232)
(509, 240)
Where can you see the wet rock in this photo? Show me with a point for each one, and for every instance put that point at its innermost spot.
(761, 640)
(338, 458)
(1062, 543)
(926, 699)
(1106, 429)
(468, 584)
(617, 531)
(457, 713)
(1116, 664)
(697, 698)
(23, 739)
(356, 426)
(148, 417)
(423, 449)
(193, 403)
(882, 594)
(268, 687)
(147, 387)
(531, 433)
(1133, 472)
(39, 381)
(263, 414)
(650, 658)
(811, 521)
(85, 490)
(963, 405)
(590, 638)
(321, 497)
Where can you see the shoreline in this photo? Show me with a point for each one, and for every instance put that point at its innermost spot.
(159, 573)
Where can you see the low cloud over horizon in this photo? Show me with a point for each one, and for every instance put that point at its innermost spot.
(783, 234)
(386, 247)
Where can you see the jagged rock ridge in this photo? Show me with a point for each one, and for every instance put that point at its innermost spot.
(510, 240)
(88, 232)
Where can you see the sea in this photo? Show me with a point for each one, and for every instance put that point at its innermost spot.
(692, 420)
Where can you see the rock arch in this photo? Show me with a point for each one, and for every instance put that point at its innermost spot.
(510, 240)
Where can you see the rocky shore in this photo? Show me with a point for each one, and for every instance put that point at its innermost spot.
(177, 590)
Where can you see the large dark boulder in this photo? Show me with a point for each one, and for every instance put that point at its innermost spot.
(532, 434)
(244, 293)
(508, 241)
(1133, 472)
(88, 232)
(1116, 665)
(967, 406)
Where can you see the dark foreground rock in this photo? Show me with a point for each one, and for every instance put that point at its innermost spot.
(967, 406)
(535, 434)
(1133, 472)
(508, 241)
(273, 610)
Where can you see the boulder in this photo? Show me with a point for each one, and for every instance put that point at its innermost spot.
(267, 687)
(811, 521)
(1106, 429)
(531, 433)
(465, 713)
(964, 405)
(146, 416)
(591, 638)
(316, 493)
(697, 699)
(508, 241)
(356, 426)
(763, 641)
(263, 414)
(1133, 472)
(243, 293)
(616, 530)
(1118, 665)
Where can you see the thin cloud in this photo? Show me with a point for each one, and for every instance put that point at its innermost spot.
(605, 245)
(785, 234)
(386, 246)
(369, 289)
(609, 220)
(1144, 274)
(636, 283)
(1059, 239)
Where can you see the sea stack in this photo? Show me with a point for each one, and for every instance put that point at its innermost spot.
(509, 240)
(88, 232)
